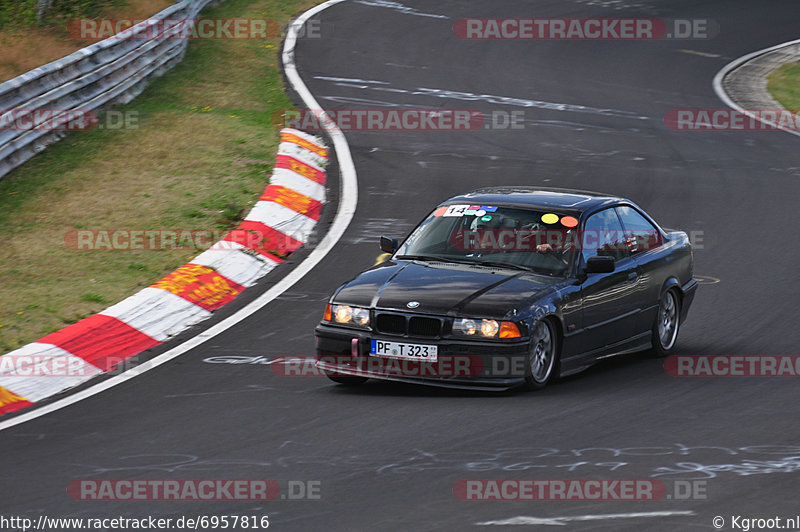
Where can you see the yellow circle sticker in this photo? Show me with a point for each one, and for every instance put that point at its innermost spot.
(550, 218)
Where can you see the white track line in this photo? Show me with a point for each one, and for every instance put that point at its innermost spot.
(738, 62)
(563, 520)
(348, 200)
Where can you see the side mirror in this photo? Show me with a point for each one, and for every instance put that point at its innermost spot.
(600, 264)
(388, 244)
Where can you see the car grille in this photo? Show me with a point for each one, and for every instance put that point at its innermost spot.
(408, 325)
(391, 323)
(418, 326)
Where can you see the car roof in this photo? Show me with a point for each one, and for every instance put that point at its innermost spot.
(564, 199)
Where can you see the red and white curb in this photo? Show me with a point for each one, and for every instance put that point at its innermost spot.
(279, 223)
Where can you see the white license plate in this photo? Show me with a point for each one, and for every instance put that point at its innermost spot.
(382, 348)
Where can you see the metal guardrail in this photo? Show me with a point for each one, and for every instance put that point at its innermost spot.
(111, 71)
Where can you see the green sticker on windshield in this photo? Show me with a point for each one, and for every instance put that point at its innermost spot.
(487, 218)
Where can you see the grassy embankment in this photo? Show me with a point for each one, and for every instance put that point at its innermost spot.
(197, 155)
(784, 85)
(26, 44)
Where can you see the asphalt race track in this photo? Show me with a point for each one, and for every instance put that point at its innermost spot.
(387, 456)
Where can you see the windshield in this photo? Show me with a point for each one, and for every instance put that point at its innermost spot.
(540, 241)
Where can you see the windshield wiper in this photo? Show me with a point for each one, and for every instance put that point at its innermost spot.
(464, 260)
(435, 257)
(501, 264)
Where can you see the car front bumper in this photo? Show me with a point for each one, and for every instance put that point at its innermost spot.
(462, 364)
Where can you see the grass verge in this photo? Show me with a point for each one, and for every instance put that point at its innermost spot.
(25, 48)
(197, 151)
(784, 85)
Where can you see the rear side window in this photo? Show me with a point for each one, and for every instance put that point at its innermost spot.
(641, 234)
(603, 235)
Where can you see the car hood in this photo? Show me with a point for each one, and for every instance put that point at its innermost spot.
(445, 288)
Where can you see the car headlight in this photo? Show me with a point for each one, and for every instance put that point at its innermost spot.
(485, 328)
(347, 315)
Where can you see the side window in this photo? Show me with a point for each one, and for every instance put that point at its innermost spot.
(641, 233)
(603, 235)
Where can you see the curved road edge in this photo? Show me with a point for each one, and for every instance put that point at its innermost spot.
(346, 208)
(280, 222)
(739, 84)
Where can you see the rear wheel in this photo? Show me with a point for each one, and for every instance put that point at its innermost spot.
(542, 356)
(665, 329)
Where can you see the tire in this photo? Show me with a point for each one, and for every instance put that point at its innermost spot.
(665, 328)
(542, 361)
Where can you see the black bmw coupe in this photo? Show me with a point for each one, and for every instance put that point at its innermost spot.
(510, 286)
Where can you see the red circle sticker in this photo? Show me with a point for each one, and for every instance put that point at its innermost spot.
(569, 221)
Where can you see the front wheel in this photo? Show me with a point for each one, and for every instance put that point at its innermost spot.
(665, 329)
(542, 356)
